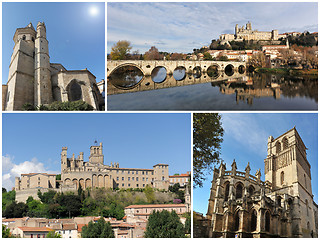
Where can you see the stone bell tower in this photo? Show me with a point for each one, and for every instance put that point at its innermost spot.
(42, 74)
(21, 71)
(96, 155)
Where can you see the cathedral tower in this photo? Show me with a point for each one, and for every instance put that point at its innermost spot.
(96, 155)
(21, 70)
(42, 74)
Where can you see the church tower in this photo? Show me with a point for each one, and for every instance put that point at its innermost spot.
(96, 155)
(286, 165)
(42, 74)
(21, 71)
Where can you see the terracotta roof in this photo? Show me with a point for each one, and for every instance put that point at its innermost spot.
(181, 175)
(69, 226)
(26, 174)
(80, 226)
(35, 229)
(156, 206)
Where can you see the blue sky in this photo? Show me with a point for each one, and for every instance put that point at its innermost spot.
(33, 142)
(76, 37)
(181, 27)
(245, 140)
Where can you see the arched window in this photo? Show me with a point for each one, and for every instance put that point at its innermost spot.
(285, 143)
(75, 92)
(253, 220)
(308, 226)
(267, 223)
(282, 177)
(279, 201)
(307, 206)
(278, 147)
(251, 190)
(237, 221)
(239, 191)
(24, 37)
(226, 193)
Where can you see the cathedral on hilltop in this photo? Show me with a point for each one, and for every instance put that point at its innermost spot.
(242, 205)
(246, 33)
(33, 79)
(76, 173)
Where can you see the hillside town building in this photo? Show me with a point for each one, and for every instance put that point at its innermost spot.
(75, 172)
(242, 205)
(33, 79)
(183, 179)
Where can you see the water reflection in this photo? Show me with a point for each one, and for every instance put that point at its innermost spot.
(202, 92)
(126, 77)
(179, 73)
(159, 74)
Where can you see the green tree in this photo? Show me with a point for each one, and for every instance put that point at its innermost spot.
(149, 192)
(7, 198)
(120, 50)
(5, 232)
(207, 139)
(47, 197)
(164, 224)
(187, 225)
(114, 210)
(53, 234)
(207, 56)
(100, 229)
(58, 177)
(16, 210)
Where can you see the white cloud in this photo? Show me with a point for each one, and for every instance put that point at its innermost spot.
(10, 170)
(179, 24)
(246, 131)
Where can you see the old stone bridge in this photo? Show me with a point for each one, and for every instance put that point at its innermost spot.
(208, 70)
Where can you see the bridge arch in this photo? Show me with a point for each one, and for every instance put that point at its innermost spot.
(162, 77)
(213, 70)
(229, 70)
(122, 85)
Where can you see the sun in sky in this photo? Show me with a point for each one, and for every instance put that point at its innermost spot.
(93, 11)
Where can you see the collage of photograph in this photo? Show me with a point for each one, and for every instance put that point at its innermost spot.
(159, 119)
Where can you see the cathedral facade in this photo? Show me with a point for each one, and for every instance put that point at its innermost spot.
(242, 205)
(35, 80)
(246, 33)
(76, 173)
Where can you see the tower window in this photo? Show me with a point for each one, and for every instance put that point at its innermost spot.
(253, 221)
(285, 144)
(305, 180)
(32, 39)
(226, 193)
(278, 147)
(267, 223)
(75, 92)
(24, 37)
(282, 177)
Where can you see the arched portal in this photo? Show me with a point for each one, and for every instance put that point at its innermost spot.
(81, 183)
(75, 181)
(74, 91)
(88, 183)
(100, 181)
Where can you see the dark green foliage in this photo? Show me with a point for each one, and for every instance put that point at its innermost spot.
(207, 56)
(4, 190)
(176, 189)
(70, 106)
(58, 177)
(70, 205)
(207, 139)
(16, 210)
(7, 198)
(60, 106)
(114, 210)
(28, 107)
(47, 197)
(187, 225)
(100, 229)
(164, 224)
(306, 39)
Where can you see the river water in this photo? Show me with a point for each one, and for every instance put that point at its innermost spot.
(249, 91)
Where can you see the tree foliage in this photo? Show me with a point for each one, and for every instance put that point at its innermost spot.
(6, 232)
(153, 54)
(120, 50)
(60, 106)
(100, 229)
(16, 210)
(164, 224)
(53, 234)
(207, 139)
